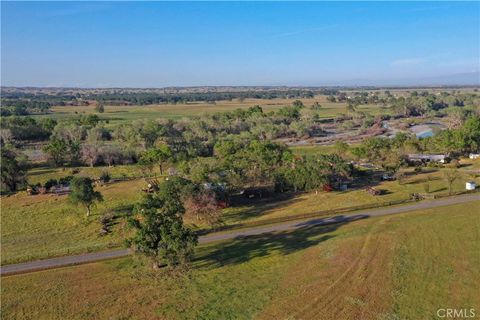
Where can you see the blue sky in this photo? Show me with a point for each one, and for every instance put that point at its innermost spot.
(155, 44)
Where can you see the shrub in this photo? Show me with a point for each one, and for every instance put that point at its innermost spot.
(453, 164)
(106, 222)
(50, 183)
(65, 180)
(105, 177)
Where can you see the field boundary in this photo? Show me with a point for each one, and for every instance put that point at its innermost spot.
(320, 213)
(60, 262)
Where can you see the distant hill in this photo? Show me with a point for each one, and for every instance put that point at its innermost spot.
(457, 79)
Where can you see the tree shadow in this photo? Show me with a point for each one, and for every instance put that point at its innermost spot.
(384, 192)
(44, 171)
(256, 207)
(123, 210)
(423, 171)
(423, 180)
(362, 180)
(300, 236)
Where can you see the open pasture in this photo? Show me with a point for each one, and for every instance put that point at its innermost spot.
(404, 266)
(116, 114)
(41, 226)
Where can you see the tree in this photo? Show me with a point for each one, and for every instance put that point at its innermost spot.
(149, 132)
(90, 120)
(158, 155)
(341, 147)
(312, 172)
(56, 149)
(331, 99)
(297, 104)
(12, 172)
(110, 154)
(351, 106)
(99, 107)
(450, 176)
(82, 192)
(90, 154)
(471, 134)
(316, 106)
(72, 135)
(160, 232)
(400, 177)
(203, 205)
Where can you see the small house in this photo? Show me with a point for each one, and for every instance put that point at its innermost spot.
(470, 185)
(474, 156)
(424, 158)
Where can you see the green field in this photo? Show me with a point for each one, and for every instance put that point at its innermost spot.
(117, 114)
(404, 266)
(41, 226)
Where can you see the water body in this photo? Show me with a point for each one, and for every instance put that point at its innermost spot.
(427, 129)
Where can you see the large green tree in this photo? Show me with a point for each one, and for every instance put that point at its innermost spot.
(160, 232)
(56, 149)
(13, 174)
(156, 156)
(471, 134)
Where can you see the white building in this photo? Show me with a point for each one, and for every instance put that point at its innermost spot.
(474, 155)
(427, 158)
(470, 185)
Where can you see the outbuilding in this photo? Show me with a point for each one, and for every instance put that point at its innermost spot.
(440, 158)
(470, 185)
(474, 155)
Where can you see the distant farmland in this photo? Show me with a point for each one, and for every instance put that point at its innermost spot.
(176, 111)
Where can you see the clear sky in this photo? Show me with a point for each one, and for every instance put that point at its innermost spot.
(155, 44)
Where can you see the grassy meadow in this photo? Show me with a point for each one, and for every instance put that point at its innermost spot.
(118, 114)
(403, 266)
(40, 226)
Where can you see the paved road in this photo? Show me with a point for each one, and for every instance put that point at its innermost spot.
(291, 225)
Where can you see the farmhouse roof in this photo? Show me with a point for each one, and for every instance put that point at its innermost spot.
(436, 157)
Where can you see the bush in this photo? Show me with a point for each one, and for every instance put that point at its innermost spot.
(105, 177)
(50, 183)
(106, 221)
(65, 180)
(453, 164)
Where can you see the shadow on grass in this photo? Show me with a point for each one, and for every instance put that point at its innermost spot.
(423, 171)
(245, 248)
(123, 210)
(43, 171)
(256, 207)
(423, 180)
(439, 189)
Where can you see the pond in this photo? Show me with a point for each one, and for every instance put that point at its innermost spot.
(427, 129)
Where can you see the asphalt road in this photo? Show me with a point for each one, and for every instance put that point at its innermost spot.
(291, 225)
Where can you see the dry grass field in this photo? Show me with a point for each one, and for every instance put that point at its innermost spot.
(404, 266)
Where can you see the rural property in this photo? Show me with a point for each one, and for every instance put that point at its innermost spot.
(240, 160)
